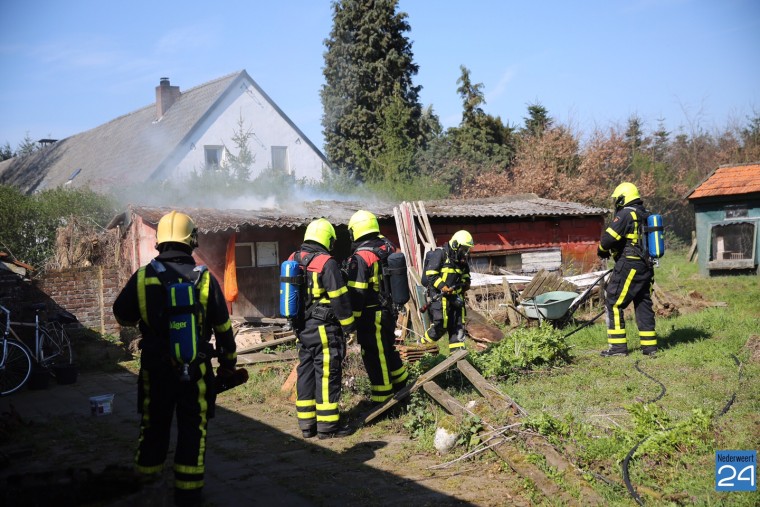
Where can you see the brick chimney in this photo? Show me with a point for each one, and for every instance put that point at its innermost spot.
(166, 95)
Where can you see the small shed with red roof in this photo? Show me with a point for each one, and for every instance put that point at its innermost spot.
(727, 212)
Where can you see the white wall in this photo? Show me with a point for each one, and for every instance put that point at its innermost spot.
(269, 129)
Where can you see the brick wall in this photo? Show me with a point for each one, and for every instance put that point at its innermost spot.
(88, 293)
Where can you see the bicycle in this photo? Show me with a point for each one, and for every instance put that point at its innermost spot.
(51, 346)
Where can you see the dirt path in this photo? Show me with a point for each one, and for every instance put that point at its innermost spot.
(56, 453)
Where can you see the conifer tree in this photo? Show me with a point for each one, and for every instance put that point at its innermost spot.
(368, 68)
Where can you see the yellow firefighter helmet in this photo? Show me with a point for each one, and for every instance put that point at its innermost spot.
(461, 239)
(321, 231)
(177, 227)
(361, 224)
(624, 194)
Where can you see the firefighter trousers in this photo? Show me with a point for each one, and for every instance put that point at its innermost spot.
(447, 315)
(160, 394)
(376, 335)
(631, 281)
(321, 350)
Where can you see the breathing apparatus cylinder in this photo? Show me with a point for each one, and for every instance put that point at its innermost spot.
(396, 273)
(291, 284)
(655, 240)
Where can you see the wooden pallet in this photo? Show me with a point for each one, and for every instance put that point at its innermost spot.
(413, 353)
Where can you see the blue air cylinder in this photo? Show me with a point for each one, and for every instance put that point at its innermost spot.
(183, 326)
(291, 280)
(655, 239)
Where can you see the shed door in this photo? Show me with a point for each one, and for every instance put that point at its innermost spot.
(258, 275)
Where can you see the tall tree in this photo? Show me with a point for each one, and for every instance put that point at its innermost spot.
(368, 67)
(472, 97)
(537, 121)
(27, 146)
(6, 151)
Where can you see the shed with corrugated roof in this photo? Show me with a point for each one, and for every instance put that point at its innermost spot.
(516, 233)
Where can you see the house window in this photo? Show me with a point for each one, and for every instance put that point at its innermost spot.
(280, 159)
(245, 255)
(266, 253)
(214, 156)
(258, 254)
(733, 241)
(736, 211)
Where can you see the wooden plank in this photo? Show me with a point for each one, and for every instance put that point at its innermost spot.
(513, 457)
(480, 329)
(428, 228)
(693, 249)
(409, 389)
(266, 345)
(444, 399)
(512, 317)
(256, 358)
(517, 461)
(495, 397)
(290, 382)
(266, 320)
(572, 475)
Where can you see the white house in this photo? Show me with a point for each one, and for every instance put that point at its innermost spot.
(184, 131)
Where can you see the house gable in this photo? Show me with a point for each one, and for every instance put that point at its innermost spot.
(273, 136)
(144, 146)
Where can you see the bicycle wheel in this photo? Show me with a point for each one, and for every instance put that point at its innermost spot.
(15, 369)
(56, 346)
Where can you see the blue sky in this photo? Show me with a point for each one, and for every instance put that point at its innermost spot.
(71, 66)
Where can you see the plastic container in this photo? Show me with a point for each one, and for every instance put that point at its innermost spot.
(101, 405)
(65, 373)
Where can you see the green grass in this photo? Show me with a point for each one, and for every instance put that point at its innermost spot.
(606, 407)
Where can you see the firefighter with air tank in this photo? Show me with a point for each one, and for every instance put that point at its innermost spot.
(372, 299)
(322, 319)
(447, 278)
(634, 240)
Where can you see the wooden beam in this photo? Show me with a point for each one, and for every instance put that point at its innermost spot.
(249, 358)
(512, 456)
(444, 399)
(266, 345)
(495, 397)
(410, 388)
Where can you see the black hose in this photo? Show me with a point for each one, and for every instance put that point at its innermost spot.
(585, 324)
(733, 396)
(662, 386)
(626, 461)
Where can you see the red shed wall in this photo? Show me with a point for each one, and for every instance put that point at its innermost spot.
(577, 237)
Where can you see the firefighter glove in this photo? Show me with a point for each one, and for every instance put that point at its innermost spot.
(446, 289)
(602, 254)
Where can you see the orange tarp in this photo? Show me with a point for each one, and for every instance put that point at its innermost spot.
(230, 273)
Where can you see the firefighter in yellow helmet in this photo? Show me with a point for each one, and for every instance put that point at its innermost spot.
(322, 330)
(446, 274)
(162, 388)
(373, 306)
(633, 277)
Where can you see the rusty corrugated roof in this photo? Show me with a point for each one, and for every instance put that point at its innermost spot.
(729, 180)
(339, 212)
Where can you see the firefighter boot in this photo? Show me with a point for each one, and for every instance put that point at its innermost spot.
(649, 350)
(341, 432)
(618, 349)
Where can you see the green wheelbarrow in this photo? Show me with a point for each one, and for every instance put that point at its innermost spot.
(549, 305)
